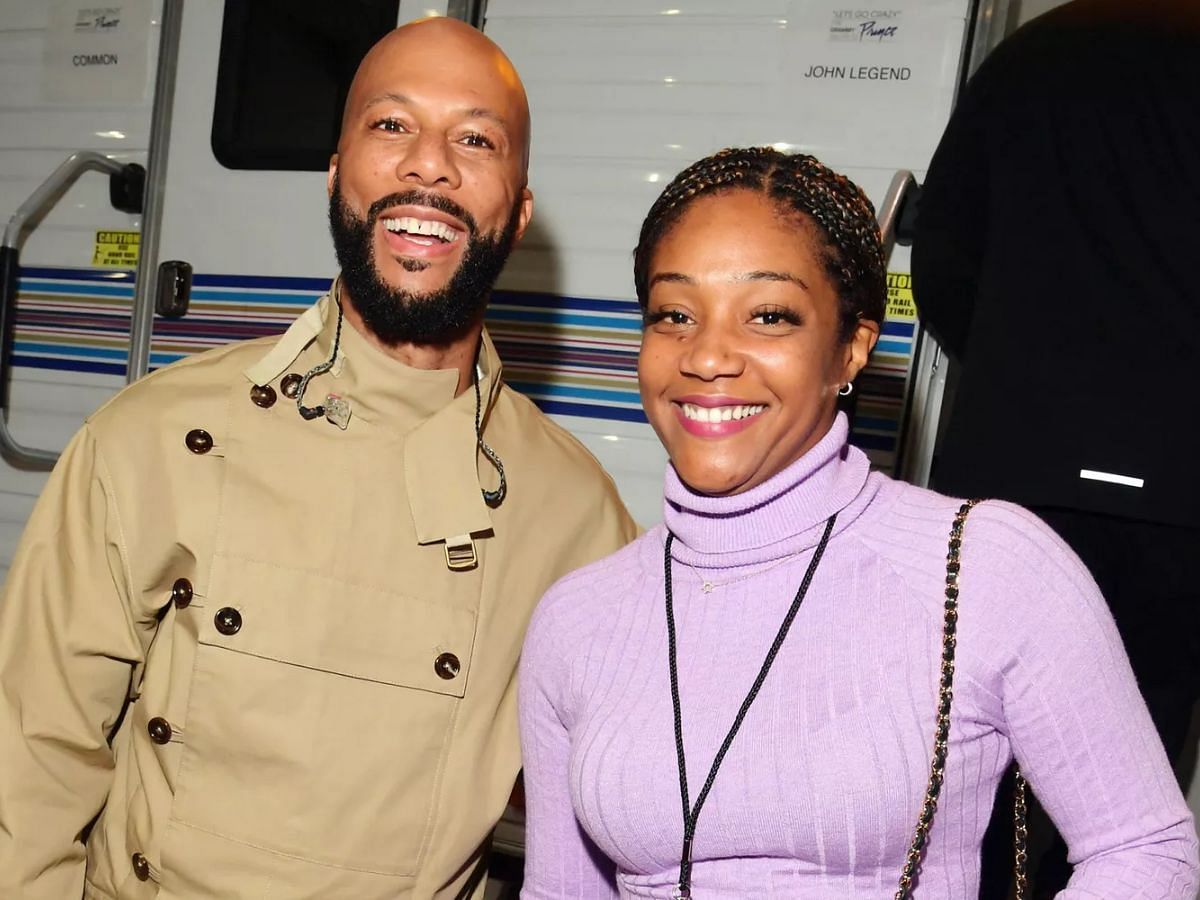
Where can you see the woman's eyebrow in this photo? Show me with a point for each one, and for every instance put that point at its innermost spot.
(767, 275)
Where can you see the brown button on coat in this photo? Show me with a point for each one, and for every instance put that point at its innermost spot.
(232, 634)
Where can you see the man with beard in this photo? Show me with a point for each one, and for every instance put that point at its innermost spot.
(259, 637)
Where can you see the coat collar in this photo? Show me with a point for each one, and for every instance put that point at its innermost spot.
(443, 470)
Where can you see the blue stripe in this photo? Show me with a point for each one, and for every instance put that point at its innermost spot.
(582, 393)
(70, 350)
(566, 408)
(562, 318)
(897, 329)
(264, 282)
(902, 347)
(252, 297)
(68, 365)
(108, 275)
(252, 282)
(877, 424)
(98, 290)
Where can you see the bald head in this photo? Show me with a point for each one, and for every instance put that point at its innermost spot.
(451, 51)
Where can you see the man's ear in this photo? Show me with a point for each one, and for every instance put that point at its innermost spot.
(525, 214)
(331, 176)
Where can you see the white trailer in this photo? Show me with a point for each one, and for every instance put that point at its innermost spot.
(624, 94)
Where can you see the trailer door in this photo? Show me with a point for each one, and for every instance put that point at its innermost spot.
(77, 77)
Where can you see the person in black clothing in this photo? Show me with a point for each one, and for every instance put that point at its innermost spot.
(1055, 257)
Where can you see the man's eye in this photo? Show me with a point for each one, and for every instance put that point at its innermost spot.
(478, 140)
(393, 126)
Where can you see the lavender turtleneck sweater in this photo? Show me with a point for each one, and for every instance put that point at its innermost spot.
(819, 794)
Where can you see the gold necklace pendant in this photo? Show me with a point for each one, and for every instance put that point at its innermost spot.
(707, 585)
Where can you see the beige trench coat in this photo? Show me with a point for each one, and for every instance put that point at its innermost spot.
(304, 699)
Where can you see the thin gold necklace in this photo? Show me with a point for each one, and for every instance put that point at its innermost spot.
(707, 585)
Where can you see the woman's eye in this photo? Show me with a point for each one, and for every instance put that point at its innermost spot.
(775, 317)
(667, 317)
(478, 140)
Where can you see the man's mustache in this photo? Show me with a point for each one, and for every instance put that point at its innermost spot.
(421, 198)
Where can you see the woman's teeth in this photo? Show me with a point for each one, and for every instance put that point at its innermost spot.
(719, 413)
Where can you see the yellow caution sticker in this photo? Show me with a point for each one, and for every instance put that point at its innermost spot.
(900, 297)
(117, 249)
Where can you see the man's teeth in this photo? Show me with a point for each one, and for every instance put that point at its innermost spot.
(719, 413)
(409, 225)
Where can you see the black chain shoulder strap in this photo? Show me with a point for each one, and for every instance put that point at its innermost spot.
(908, 875)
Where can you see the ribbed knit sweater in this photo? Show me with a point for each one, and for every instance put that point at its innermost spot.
(819, 794)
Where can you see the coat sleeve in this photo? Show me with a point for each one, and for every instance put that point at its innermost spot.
(952, 226)
(1079, 727)
(560, 858)
(69, 645)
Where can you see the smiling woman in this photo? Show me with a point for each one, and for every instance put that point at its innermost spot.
(809, 679)
(743, 354)
(760, 272)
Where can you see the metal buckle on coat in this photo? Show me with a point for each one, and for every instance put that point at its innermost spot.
(460, 553)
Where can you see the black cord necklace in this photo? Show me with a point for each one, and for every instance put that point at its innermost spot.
(308, 413)
(692, 814)
(496, 497)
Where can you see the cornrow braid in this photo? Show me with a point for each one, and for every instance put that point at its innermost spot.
(801, 186)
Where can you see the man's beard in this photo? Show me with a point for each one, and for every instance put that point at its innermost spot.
(396, 316)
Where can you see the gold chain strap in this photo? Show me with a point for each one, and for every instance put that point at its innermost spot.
(908, 875)
(1020, 836)
(941, 735)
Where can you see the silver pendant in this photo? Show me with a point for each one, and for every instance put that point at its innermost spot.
(707, 588)
(337, 410)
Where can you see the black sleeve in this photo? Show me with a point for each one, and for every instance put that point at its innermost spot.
(951, 227)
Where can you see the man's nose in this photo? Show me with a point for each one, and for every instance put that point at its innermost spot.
(429, 161)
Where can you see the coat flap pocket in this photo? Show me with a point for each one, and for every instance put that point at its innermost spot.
(306, 619)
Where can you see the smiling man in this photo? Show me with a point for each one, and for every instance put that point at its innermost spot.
(259, 639)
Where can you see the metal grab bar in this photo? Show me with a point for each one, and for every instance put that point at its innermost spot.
(897, 211)
(125, 192)
(914, 448)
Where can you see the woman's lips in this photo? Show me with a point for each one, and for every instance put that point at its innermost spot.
(715, 420)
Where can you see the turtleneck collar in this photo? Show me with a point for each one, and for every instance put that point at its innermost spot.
(784, 515)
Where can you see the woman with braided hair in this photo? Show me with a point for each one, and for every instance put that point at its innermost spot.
(781, 692)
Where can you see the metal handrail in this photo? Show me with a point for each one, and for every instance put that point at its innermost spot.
(902, 190)
(895, 218)
(141, 322)
(27, 215)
